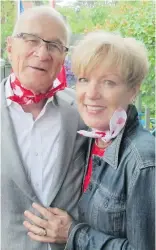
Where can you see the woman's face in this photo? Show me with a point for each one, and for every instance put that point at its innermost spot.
(99, 94)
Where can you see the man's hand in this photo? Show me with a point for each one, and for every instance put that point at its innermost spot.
(52, 229)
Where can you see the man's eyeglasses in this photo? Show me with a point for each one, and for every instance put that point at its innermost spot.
(35, 42)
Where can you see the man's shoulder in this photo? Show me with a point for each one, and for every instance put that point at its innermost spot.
(67, 95)
(3, 83)
(2, 92)
(67, 98)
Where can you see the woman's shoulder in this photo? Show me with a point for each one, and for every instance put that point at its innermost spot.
(140, 146)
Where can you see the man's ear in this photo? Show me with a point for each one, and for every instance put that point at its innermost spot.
(9, 47)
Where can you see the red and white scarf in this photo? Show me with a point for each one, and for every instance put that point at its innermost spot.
(24, 96)
(116, 124)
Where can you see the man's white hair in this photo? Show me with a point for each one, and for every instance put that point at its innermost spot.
(40, 11)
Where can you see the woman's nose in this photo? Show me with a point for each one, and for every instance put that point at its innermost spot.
(93, 91)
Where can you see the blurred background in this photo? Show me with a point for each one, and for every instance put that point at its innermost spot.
(130, 18)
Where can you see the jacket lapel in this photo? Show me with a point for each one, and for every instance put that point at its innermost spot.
(12, 164)
(66, 146)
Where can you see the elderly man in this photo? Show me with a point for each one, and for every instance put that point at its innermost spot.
(42, 155)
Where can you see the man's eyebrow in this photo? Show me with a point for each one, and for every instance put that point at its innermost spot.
(56, 41)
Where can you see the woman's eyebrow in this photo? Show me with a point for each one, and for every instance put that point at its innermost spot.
(110, 75)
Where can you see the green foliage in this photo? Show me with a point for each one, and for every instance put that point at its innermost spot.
(8, 18)
(130, 18)
(136, 19)
(79, 21)
(99, 14)
(86, 19)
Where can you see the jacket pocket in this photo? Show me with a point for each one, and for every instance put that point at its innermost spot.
(108, 213)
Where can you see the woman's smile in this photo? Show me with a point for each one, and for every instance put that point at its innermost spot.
(94, 109)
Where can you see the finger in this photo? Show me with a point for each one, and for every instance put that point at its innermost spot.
(36, 220)
(41, 238)
(43, 211)
(57, 211)
(34, 229)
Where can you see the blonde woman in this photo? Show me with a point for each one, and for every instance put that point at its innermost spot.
(116, 210)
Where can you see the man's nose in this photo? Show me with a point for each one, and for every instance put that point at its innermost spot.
(93, 91)
(43, 53)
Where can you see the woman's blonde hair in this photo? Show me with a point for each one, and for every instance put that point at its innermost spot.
(111, 50)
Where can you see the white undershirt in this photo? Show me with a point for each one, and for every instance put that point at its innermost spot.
(38, 143)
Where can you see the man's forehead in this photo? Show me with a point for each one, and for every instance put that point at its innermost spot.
(47, 27)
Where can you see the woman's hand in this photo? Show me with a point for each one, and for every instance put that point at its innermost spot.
(52, 229)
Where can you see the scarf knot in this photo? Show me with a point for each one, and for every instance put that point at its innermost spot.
(25, 96)
(117, 122)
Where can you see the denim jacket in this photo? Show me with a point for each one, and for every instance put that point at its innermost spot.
(117, 210)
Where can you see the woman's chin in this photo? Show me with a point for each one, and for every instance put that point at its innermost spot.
(96, 125)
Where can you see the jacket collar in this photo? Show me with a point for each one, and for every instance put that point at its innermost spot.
(111, 155)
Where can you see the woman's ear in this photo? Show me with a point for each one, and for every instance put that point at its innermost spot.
(135, 92)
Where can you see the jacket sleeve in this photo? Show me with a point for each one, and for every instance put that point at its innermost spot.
(140, 220)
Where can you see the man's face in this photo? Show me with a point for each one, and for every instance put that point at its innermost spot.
(35, 66)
